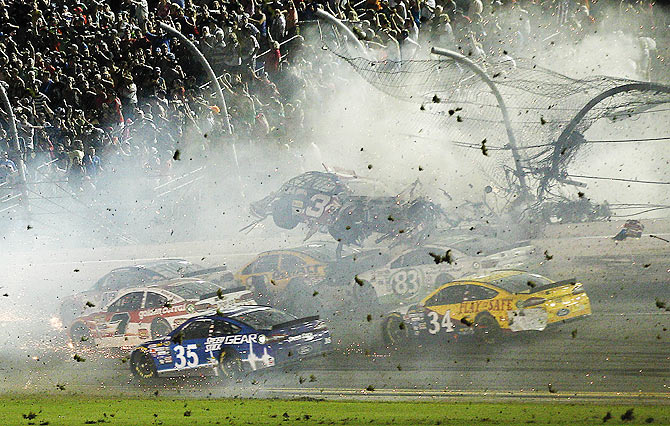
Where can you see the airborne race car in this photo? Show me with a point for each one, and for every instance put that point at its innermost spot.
(138, 314)
(506, 301)
(325, 203)
(243, 339)
(106, 288)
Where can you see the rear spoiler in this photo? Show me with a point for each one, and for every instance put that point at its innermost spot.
(554, 285)
(205, 271)
(295, 321)
(223, 291)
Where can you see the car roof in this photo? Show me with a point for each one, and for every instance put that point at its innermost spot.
(495, 275)
(153, 264)
(165, 285)
(233, 312)
(319, 252)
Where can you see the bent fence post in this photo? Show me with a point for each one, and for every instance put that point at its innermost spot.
(17, 149)
(503, 109)
(208, 68)
(564, 139)
(336, 22)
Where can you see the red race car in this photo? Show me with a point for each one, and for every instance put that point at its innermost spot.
(137, 315)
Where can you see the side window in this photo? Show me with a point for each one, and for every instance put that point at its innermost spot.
(155, 300)
(127, 302)
(268, 263)
(224, 328)
(292, 264)
(477, 292)
(113, 281)
(448, 296)
(248, 269)
(146, 276)
(414, 258)
(199, 329)
(398, 263)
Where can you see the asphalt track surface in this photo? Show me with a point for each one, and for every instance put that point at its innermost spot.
(621, 352)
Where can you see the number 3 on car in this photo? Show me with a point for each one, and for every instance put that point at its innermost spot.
(434, 323)
(190, 359)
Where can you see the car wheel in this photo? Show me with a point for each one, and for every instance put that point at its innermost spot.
(487, 328)
(394, 330)
(230, 365)
(159, 328)
(283, 213)
(80, 335)
(443, 279)
(142, 366)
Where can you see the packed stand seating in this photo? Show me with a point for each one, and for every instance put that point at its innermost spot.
(97, 86)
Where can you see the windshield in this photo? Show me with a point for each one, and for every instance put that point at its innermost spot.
(521, 283)
(175, 269)
(264, 319)
(194, 289)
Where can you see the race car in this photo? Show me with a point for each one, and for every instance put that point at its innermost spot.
(231, 342)
(408, 275)
(138, 314)
(106, 288)
(325, 202)
(292, 278)
(488, 306)
(279, 267)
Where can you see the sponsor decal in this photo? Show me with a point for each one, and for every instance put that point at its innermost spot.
(190, 308)
(304, 350)
(262, 339)
(562, 312)
(306, 336)
(495, 305)
(164, 310)
(214, 343)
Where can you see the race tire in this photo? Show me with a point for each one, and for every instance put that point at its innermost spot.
(284, 214)
(487, 329)
(230, 365)
(160, 328)
(394, 330)
(142, 366)
(349, 227)
(443, 279)
(80, 335)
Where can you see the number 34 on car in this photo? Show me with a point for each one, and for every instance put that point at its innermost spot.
(489, 306)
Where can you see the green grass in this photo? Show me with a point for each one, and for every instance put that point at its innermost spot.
(79, 410)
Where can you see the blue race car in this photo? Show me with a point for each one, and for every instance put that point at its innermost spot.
(242, 339)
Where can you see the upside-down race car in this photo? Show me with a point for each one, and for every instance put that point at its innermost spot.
(138, 314)
(325, 203)
(505, 301)
(242, 339)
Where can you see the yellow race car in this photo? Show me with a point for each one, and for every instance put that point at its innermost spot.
(275, 269)
(488, 306)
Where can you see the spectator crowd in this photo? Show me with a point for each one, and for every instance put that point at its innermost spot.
(98, 86)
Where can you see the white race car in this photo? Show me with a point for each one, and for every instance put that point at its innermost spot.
(139, 314)
(413, 272)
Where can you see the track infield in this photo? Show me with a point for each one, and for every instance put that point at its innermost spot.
(80, 410)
